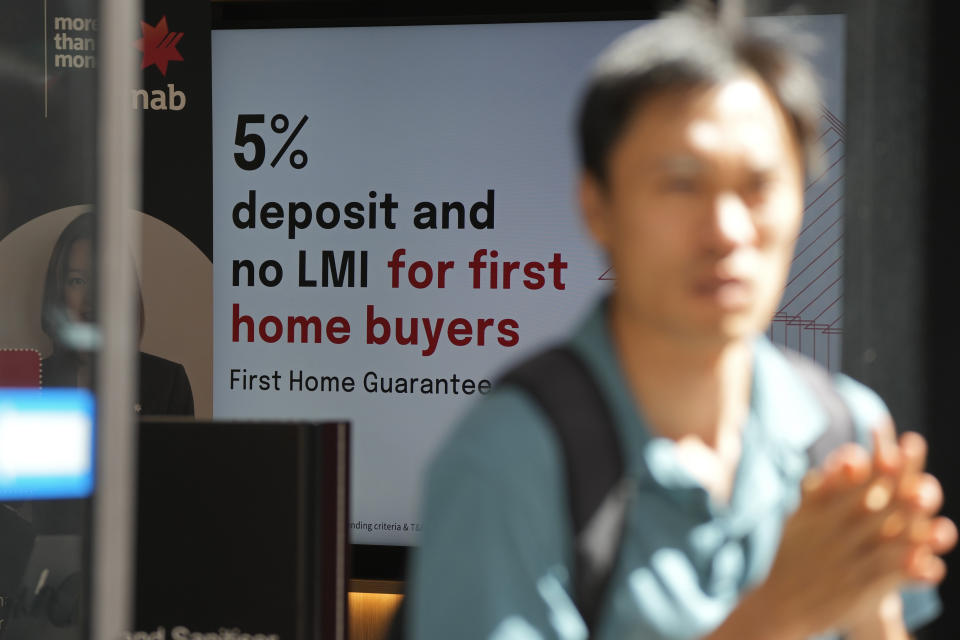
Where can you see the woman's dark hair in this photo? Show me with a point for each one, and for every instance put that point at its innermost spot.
(691, 49)
(52, 310)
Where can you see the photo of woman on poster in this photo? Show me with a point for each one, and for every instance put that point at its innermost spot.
(67, 308)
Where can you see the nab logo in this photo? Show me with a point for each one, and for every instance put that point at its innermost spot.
(159, 47)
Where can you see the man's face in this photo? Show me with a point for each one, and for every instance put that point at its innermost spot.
(700, 211)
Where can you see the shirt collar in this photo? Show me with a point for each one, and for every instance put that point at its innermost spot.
(787, 416)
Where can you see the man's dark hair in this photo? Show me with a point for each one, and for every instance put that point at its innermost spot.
(687, 50)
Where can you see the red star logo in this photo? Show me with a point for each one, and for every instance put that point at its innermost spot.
(159, 45)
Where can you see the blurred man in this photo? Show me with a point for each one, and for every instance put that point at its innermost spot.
(694, 140)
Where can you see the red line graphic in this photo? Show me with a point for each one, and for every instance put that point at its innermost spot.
(810, 318)
(817, 219)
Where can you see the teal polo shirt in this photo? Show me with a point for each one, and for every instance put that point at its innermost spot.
(496, 550)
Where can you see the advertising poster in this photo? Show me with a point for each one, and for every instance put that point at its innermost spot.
(175, 267)
(395, 221)
(47, 181)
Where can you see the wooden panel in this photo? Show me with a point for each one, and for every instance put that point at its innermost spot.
(370, 614)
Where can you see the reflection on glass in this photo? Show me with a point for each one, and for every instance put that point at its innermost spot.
(47, 173)
(46, 463)
(46, 444)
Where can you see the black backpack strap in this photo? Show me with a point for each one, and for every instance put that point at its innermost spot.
(841, 427)
(559, 381)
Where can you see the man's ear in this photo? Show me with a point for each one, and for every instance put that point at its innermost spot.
(593, 205)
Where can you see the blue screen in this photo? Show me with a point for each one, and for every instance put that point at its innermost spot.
(46, 444)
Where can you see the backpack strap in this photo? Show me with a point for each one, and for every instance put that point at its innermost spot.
(841, 427)
(559, 381)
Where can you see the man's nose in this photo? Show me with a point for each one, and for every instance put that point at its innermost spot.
(731, 223)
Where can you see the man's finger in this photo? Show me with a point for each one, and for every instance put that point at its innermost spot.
(924, 566)
(913, 448)
(942, 536)
(921, 492)
(813, 482)
(886, 451)
(847, 465)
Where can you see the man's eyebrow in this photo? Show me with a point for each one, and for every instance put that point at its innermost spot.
(690, 163)
(680, 162)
